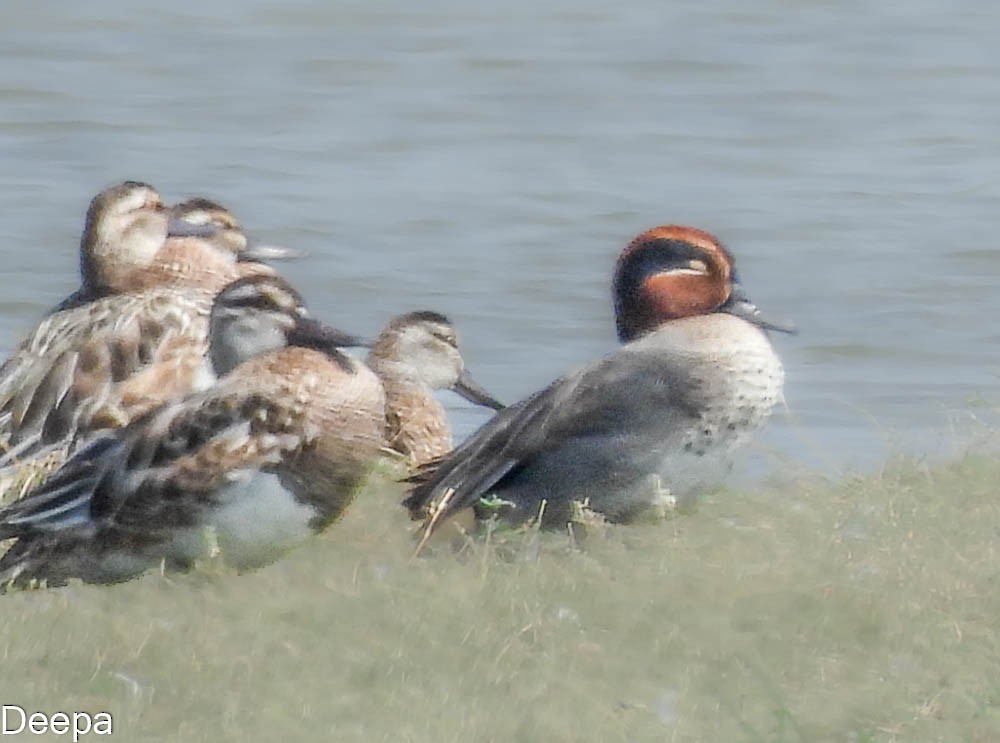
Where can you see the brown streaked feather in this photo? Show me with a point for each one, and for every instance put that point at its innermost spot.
(416, 424)
(193, 262)
(341, 412)
(176, 369)
(72, 357)
(293, 412)
(313, 419)
(132, 353)
(172, 467)
(23, 476)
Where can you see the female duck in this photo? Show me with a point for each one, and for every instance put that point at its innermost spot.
(269, 454)
(102, 361)
(414, 355)
(695, 376)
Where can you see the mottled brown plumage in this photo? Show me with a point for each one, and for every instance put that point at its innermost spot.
(103, 362)
(416, 424)
(274, 450)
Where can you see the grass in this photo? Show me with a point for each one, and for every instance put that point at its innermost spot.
(861, 610)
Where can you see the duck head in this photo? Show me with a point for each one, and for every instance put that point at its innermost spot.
(125, 227)
(424, 345)
(209, 220)
(672, 272)
(263, 313)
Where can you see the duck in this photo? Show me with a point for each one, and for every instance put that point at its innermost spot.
(124, 227)
(271, 453)
(415, 354)
(199, 216)
(651, 423)
(99, 363)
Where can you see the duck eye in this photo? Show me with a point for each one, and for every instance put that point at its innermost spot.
(447, 338)
(698, 266)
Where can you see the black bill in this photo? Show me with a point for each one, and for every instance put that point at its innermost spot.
(470, 389)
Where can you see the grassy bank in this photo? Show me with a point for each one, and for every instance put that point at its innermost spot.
(866, 609)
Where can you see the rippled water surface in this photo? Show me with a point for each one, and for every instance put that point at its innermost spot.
(489, 160)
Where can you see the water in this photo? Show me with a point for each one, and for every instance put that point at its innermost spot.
(489, 160)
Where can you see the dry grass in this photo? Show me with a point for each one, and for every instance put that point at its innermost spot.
(862, 610)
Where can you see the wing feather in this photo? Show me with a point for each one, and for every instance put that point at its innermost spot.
(599, 400)
(161, 469)
(80, 364)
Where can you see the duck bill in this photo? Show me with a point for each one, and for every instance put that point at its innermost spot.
(471, 390)
(315, 334)
(177, 227)
(740, 305)
(259, 252)
(254, 252)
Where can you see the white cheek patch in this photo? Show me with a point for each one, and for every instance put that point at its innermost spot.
(686, 272)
